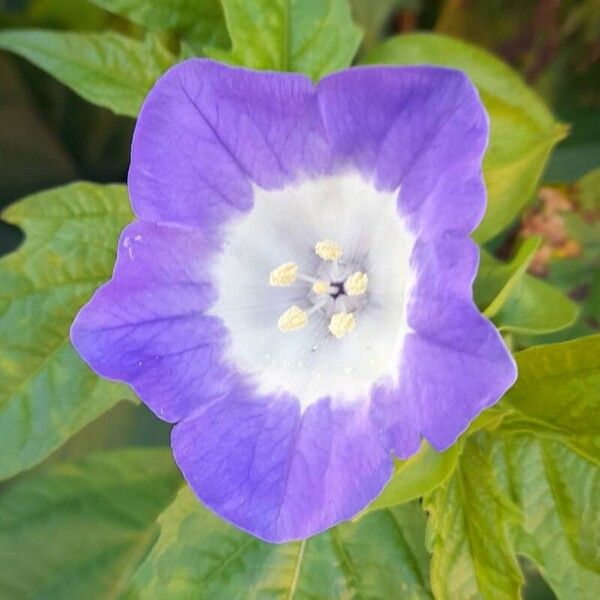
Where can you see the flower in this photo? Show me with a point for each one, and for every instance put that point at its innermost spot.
(296, 292)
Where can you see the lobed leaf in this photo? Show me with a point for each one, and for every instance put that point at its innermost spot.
(313, 37)
(80, 530)
(107, 69)
(523, 131)
(199, 556)
(530, 486)
(199, 22)
(47, 393)
(557, 492)
(468, 533)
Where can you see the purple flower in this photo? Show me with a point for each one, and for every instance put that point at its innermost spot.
(296, 290)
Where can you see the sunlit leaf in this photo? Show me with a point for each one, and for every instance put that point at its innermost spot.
(559, 386)
(313, 37)
(523, 131)
(468, 533)
(417, 476)
(47, 393)
(557, 491)
(107, 69)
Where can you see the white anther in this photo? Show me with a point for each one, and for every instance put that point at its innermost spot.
(283, 275)
(293, 318)
(320, 287)
(342, 323)
(356, 284)
(328, 250)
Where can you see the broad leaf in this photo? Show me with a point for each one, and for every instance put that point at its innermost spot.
(199, 556)
(557, 491)
(534, 308)
(529, 487)
(549, 462)
(199, 22)
(415, 477)
(107, 69)
(496, 280)
(47, 393)
(559, 386)
(467, 533)
(313, 37)
(80, 530)
(521, 303)
(523, 131)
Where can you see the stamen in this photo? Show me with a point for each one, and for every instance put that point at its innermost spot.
(328, 250)
(293, 318)
(320, 287)
(356, 284)
(283, 275)
(341, 324)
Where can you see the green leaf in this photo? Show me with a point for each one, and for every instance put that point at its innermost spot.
(523, 131)
(107, 69)
(557, 491)
(467, 532)
(313, 37)
(47, 393)
(80, 530)
(199, 556)
(496, 280)
(547, 459)
(535, 308)
(518, 302)
(199, 22)
(415, 477)
(559, 386)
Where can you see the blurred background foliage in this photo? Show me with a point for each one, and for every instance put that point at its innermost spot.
(51, 136)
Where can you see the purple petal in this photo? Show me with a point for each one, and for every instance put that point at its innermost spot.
(146, 325)
(422, 129)
(207, 132)
(207, 136)
(281, 475)
(454, 362)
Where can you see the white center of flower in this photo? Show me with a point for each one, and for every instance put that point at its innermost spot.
(326, 295)
(312, 286)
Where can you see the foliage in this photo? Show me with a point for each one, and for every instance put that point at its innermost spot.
(523, 481)
(46, 392)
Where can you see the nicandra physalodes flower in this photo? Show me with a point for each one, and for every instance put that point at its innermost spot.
(296, 292)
